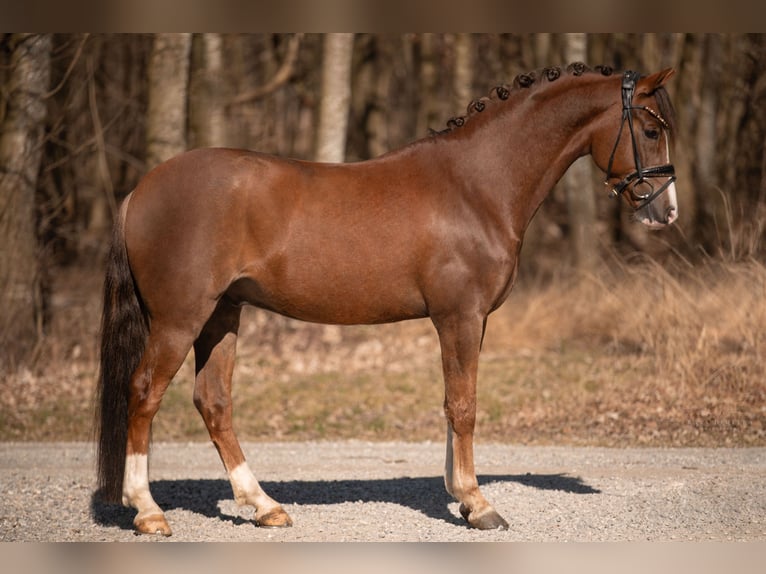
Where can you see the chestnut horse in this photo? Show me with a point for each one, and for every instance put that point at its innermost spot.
(432, 229)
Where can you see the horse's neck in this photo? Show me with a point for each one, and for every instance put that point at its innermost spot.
(517, 156)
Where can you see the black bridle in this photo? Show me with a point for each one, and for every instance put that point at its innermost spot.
(642, 174)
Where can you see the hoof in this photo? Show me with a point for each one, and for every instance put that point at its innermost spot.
(152, 524)
(276, 518)
(489, 519)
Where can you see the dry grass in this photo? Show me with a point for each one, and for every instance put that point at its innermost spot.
(632, 355)
(638, 356)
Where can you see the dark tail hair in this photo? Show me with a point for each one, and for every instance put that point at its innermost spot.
(124, 328)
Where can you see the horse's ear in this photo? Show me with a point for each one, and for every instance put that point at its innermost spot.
(649, 84)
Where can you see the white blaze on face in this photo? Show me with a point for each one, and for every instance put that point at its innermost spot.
(671, 190)
(669, 197)
(673, 213)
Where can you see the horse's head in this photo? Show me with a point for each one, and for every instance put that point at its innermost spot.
(633, 148)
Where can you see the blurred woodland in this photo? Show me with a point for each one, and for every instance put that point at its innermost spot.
(84, 116)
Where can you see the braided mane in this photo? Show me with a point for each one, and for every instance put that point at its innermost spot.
(520, 82)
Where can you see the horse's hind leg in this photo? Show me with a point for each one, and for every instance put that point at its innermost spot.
(214, 353)
(164, 353)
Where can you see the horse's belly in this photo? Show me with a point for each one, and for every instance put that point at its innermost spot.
(332, 300)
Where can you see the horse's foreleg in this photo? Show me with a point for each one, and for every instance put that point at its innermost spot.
(163, 356)
(460, 340)
(214, 353)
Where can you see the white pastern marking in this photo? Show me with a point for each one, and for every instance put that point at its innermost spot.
(248, 491)
(135, 485)
(243, 483)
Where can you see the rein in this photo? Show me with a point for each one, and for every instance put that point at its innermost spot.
(641, 174)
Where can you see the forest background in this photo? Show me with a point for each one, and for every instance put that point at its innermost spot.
(614, 334)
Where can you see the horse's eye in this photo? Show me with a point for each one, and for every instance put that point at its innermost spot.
(652, 133)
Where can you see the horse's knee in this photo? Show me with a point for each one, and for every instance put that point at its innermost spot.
(461, 416)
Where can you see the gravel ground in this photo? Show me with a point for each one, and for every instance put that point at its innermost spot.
(360, 491)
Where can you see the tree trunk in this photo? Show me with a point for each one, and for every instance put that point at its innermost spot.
(705, 140)
(578, 183)
(428, 108)
(21, 146)
(377, 117)
(463, 78)
(168, 88)
(336, 94)
(207, 101)
(541, 44)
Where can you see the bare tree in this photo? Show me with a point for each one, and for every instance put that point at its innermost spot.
(463, 78)
(21, 147)
(280, 77)
(207, 98)
(541, 45)
(578, 183)
(377, 124)
(336, 94)
(704, 141)
(168, 88)
(428, 108)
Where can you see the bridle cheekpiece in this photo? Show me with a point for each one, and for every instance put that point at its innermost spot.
(641, 174)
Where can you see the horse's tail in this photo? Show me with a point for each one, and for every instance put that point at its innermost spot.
(124, 329)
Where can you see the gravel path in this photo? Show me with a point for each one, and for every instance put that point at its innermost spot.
(359, 491)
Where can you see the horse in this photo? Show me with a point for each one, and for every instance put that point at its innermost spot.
(432, 229)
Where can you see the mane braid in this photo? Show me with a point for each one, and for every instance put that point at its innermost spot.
(523, 82)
